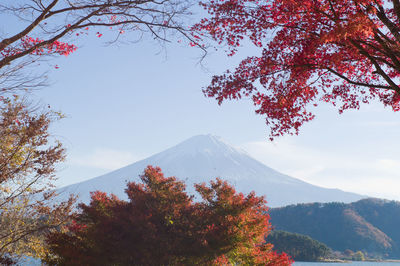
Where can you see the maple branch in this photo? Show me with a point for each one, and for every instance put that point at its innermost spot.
(389, 53)
(138, 21)
(331, 6)
(378, 68)
(8, 59)
(387, 39)
(389, 24)
(118, 4)
(396, 7)
(124, 9)
(356, 82)
(5, 42)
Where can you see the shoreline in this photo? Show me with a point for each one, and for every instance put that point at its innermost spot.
(351, 261)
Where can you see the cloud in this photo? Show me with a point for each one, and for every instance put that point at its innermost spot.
(346, 168)
(288, 157)
(103, 158)
(380, 124)
(388, 166)
(306, 172)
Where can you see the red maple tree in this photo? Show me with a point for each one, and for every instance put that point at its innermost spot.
(345, 52)
(162, 225)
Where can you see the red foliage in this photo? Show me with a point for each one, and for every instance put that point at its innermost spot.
(344, 52)
(162, 225)
(27, 42)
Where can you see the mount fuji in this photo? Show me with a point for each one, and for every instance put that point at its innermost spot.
(204, 157)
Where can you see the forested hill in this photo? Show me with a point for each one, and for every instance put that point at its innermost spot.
(369, 225)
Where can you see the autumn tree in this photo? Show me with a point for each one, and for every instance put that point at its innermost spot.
(343, 52)
(299, 247)
(162, 225)
(28, 158)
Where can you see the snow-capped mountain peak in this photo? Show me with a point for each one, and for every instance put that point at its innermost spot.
(205, 157)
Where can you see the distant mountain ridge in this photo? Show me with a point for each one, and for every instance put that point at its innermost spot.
(204, 157)
(369, 225)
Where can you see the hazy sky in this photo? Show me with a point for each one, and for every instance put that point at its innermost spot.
(128, 101)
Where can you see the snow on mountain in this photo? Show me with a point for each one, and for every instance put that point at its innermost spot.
(204, 157)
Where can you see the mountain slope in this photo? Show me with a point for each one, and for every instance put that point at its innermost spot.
(204, 157)
(369, 225)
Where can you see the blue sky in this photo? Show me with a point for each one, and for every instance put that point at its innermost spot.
(130, 100)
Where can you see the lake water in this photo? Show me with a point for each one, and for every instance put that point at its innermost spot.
(354, 263)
